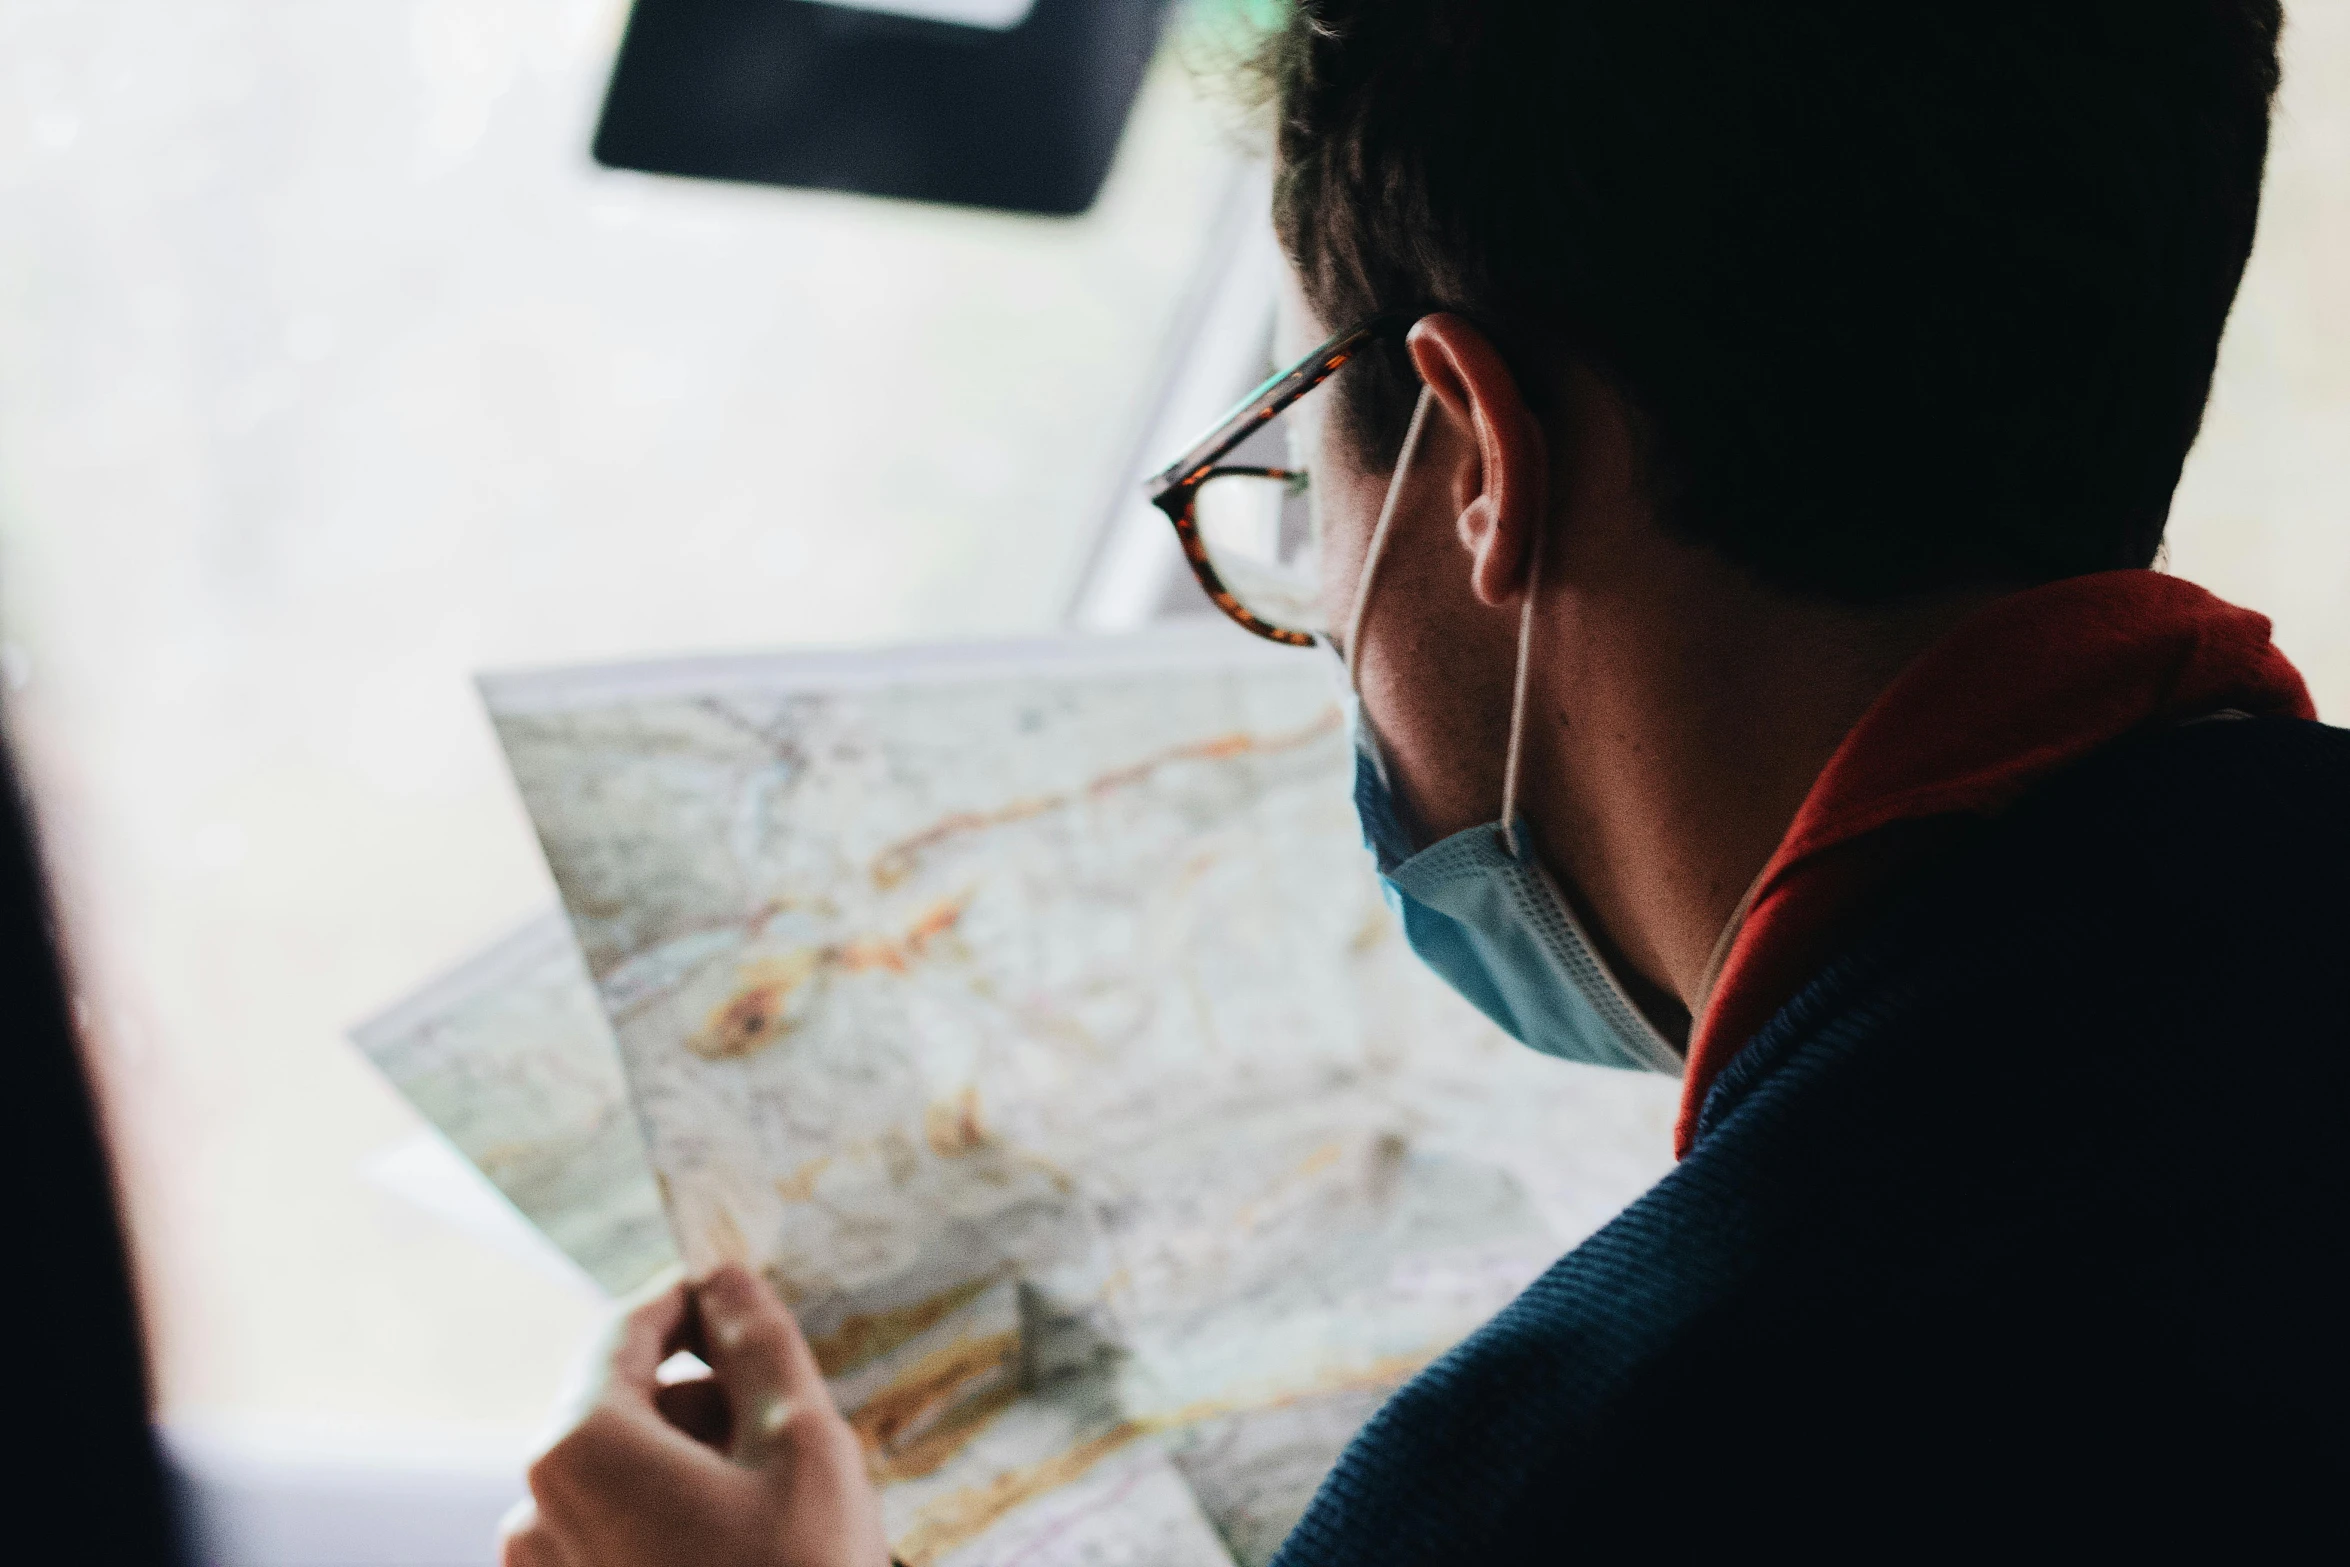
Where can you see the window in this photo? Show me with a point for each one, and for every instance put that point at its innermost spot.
(331, 371)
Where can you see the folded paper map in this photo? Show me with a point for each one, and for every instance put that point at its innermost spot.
(510, 1058)
(1029, 1015)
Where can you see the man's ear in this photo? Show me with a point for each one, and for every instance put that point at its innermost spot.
(1503, 499)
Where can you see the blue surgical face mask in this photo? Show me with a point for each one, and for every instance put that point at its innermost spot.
(1478, 907)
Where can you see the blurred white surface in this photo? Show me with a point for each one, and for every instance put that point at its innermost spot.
(285, 1494)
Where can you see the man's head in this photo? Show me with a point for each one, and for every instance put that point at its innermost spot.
(1899, 298)
(1775, 339)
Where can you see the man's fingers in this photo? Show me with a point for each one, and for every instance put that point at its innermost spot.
(648, 1336)
(622, 1458)
(759, 1357)
(749, 1339)
(524, 1540)
(698, 1408)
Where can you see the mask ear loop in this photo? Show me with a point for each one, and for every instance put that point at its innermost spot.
(1379, 531)
(1509, 767)
(1362, 603)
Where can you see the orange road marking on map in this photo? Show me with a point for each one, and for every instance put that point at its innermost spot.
(899, 860)
(949, 1521)
(759, 1012)
(870, 1335)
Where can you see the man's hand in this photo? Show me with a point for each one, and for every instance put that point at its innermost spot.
(750, 1467)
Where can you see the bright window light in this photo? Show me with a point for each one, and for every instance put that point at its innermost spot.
(995, 14)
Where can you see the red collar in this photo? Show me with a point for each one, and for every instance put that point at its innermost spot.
(2022, 688)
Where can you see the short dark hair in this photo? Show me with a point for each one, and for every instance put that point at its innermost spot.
(1904, 295)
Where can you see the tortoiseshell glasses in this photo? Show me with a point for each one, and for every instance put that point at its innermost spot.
(1241, 503)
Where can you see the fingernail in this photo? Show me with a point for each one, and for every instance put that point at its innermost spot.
(776, 1413)
(522, 1515)
(726, 1279)
(722, 1305)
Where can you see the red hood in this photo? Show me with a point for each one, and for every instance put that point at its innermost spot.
(2022, 688)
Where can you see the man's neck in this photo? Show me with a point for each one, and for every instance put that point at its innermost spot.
(1679, 715)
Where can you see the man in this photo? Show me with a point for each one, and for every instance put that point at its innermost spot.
(1746, 437)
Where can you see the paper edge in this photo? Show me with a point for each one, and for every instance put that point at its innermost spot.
(1204, 646)
(534, 940)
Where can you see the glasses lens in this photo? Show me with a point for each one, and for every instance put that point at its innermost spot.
(1256, 518)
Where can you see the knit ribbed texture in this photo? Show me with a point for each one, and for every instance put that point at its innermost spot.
(2021, 1220)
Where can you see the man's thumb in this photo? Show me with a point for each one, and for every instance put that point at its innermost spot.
(759, 1357)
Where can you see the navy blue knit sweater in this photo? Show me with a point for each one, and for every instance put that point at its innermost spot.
(2025, 1224)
